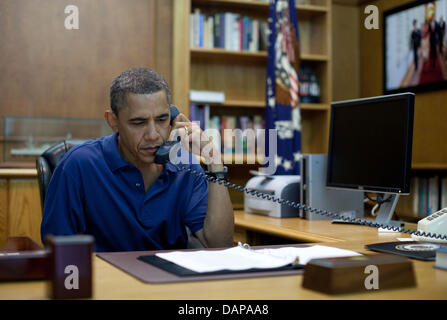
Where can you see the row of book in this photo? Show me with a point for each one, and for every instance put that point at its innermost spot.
(227, 30)
(236, 142)
(427, 195)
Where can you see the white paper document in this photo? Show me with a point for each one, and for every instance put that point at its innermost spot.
(239, 258)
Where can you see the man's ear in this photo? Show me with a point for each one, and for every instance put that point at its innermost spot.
(112, 120)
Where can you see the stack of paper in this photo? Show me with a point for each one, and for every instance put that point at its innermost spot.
(239, 258)
(206, 96)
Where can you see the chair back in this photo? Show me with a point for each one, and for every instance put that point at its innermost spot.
(47, 162)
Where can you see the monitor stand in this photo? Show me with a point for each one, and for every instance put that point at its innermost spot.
(383, 216)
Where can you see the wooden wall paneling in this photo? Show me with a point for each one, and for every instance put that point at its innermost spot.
(429, 136)
(345, 52)
(181, 56)
(50, 71)
(3, 211)
(24, 212)
(163, 38)
(429, 148)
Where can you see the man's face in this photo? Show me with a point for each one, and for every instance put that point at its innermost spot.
(143, 126)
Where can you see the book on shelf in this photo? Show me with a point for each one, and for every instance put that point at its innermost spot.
(228, 141)
(235, 141)
(200, 114)
(227, 30)
(428, 194)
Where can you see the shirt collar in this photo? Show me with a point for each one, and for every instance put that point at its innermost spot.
(112, 153)
(116, 161)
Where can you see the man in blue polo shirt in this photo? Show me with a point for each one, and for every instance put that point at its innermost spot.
(112, 189)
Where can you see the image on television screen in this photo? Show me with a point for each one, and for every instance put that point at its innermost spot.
(416, 46)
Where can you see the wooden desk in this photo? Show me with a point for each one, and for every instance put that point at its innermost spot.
(20, 208)
(293, 230)
(112, 283)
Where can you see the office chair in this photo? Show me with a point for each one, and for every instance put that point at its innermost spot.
(47, 162)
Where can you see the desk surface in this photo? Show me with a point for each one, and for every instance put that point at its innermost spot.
(112, 283)
(303, 230)
(18, 173)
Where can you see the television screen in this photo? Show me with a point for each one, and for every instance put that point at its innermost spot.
(415, 50)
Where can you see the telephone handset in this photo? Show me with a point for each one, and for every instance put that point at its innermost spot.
(432, 228)
(174, 113)
(162, 154)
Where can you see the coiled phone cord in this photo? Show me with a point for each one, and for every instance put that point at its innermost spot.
(321, 212)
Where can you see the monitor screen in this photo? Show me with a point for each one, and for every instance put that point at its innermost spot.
(415, 44)
(370, 144)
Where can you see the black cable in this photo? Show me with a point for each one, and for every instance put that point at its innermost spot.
(312, 210)
(379, 200)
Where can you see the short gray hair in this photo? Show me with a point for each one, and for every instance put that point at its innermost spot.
(138, 81)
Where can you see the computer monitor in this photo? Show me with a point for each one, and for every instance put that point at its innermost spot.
(370, 147)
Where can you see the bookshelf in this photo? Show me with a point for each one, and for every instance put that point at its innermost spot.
(241, 75)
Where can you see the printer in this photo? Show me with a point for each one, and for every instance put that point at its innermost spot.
(284, 187)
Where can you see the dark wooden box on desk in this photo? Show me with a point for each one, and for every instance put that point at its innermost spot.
(22, 259)
(359, 274)
(70, 266)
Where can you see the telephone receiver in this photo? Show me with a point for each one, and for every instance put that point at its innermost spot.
(162, 154)
(433, 228)
(174, 113)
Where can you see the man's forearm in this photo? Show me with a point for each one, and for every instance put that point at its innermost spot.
(218, 229)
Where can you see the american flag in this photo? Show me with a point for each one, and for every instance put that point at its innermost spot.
(282, 87)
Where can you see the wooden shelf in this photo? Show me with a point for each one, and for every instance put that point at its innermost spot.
(314, 57)
(233, 55)
(242, 74)
(260, 55)
(429, 166)
(311, 8)
(315, 106)
(259, 5)
(261, 104)
(241, 104)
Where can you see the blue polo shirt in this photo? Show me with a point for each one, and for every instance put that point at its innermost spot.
(95, 191)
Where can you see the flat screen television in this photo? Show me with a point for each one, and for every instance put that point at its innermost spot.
(415, 47)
